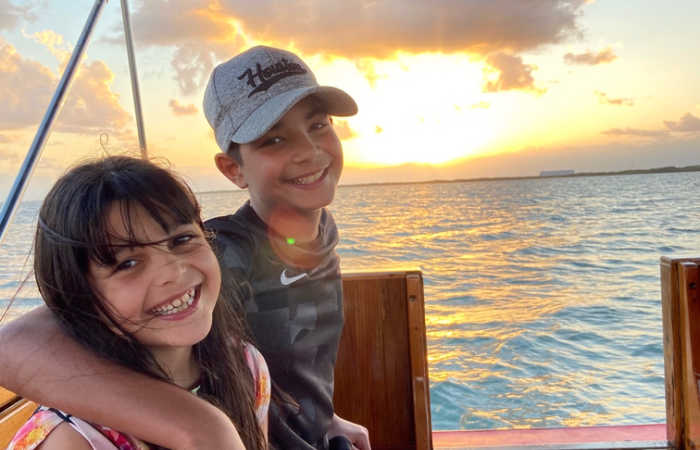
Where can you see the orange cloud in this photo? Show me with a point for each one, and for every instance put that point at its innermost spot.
(604, 99)
(204, 31)
(356, 28)
(513, 74)
(182, 110)
(90, 104)
(688, 123)
(590, 58)
(54, 43)
(19, 106)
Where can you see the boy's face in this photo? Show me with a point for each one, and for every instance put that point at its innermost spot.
(296, 165)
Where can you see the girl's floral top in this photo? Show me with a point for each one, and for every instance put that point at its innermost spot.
(45, 420)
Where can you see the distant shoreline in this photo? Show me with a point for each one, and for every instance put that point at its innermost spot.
(669, 169)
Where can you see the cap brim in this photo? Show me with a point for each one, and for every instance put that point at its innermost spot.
(337, 102)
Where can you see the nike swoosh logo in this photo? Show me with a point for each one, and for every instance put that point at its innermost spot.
(286, 281)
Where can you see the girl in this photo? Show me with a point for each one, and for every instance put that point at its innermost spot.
(122, 259)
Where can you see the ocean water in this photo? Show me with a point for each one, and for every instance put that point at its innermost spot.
(542, 295)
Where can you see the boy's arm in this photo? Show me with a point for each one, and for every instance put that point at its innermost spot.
(40, 362)
(356, 433)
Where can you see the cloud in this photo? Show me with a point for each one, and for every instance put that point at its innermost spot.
(590, 58)
(513, 74)
(193, 62)
(171, 22)
(635, 132)
(199, 31)
(357, 28)
(182, 110)
(688, 123)
(604, 99)
(204, 31)
(11, 14)
(54, 43)
(367, 68)
(343, 130)
(20, 105)
(90, 104)
(9, 160)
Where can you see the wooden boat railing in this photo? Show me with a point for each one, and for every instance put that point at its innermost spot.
(383, 389)
(680, 302)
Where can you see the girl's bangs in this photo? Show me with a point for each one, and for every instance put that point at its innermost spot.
(170, 205)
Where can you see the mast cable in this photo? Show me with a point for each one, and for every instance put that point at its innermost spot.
(134, 79)
(25, 172)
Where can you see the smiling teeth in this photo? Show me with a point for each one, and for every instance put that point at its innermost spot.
(177, 305)
(309, 179)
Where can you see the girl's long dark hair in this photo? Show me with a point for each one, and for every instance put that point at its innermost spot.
(73, 230)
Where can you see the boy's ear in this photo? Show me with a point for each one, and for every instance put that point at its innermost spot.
(231, 169)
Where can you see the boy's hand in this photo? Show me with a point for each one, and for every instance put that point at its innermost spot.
(357, 434)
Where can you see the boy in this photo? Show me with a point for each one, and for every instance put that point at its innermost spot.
(271, 119)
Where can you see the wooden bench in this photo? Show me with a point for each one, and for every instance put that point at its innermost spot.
(14, 411)
(381, 376)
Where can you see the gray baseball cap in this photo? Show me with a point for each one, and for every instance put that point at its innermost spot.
(249, 93)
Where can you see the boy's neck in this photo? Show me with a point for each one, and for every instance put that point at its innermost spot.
(302, 226)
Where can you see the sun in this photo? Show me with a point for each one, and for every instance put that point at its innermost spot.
(426, 108)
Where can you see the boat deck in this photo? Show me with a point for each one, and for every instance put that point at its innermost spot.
(589, 438)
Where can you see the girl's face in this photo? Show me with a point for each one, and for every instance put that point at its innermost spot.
(163, 293)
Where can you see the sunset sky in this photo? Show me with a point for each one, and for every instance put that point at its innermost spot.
(446, 89)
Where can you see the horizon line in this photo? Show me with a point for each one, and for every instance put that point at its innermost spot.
(665, 169)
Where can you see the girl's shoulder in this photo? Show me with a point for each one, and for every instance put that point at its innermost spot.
(261, 378)
(55, 429)
(35, 430)
(256, 361)
(64, 436)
